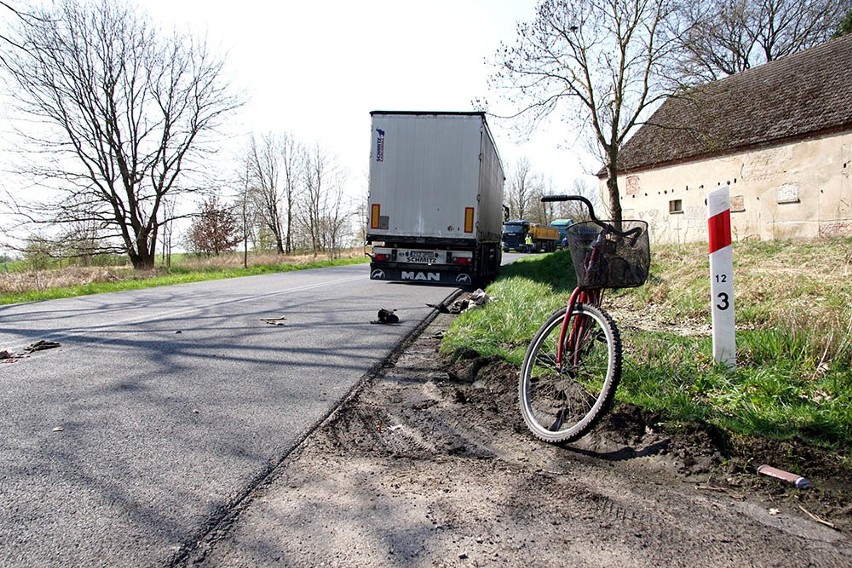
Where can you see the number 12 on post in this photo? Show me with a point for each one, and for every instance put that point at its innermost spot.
(721, 276)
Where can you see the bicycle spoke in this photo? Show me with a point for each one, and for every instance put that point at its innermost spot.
(560, 419)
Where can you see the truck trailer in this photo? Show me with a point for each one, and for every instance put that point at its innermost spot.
(544, 239)
(435, 198)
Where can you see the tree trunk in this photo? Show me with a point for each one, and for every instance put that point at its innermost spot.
(612, 188)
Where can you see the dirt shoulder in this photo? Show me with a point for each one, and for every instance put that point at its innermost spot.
(429, 464)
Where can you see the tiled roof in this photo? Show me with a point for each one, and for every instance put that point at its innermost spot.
(796, 96)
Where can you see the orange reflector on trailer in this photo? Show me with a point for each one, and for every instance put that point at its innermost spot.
(468, 219)
(375, 211)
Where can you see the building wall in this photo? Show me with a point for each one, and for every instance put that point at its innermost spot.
(798, 190)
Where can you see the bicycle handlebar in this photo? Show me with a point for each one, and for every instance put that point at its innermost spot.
(562, 197)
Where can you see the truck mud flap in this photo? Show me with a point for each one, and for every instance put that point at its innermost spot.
(423, 275)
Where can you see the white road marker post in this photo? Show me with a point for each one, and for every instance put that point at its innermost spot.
(721, 276)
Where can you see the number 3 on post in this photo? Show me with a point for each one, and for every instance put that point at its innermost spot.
(722, 276)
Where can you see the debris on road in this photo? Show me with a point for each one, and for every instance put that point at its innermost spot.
(10, 357)
(472, 300)
(274, 321)
(41, 346)
(386, 316)
(797, 480)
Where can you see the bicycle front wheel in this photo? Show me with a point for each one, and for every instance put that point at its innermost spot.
(562, 398)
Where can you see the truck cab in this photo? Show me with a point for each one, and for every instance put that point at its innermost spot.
(514, 235)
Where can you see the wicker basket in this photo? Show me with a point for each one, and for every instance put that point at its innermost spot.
(617, 262)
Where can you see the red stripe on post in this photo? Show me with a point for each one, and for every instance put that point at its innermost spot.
(719, 227)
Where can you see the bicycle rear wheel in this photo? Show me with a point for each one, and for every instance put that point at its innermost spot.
(562, 400)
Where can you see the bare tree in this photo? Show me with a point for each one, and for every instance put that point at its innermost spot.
(336, 219)
(246, 209)
(724, 37)
(168, 231)
(275, 166)
(574, 210)
(124, 109)
(595, 60)
(523, 185)
(316, 174)
(263, 170)
(79, 241)
(324, 215)
(293, 166)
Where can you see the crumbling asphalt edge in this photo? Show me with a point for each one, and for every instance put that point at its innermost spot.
(195, 550)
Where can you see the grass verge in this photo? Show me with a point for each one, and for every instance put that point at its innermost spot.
(794, 336)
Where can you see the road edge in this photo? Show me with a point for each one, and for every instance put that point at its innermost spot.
(196, 551)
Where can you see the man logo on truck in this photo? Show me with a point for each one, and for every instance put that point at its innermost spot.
(380, 145)
(427, 276)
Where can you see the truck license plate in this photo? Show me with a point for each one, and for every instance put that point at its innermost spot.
(421, 256)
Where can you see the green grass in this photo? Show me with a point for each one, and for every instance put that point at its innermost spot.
(794, 336)
(176, 274)
(524, 295)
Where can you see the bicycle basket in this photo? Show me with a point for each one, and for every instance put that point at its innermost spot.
(617, 262)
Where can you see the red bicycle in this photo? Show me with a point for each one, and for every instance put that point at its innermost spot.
(573, 364)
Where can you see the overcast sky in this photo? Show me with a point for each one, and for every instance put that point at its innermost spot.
(317, 68)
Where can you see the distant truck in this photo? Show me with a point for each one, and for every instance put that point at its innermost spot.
(435, 198)
(562, 225)
(544, 239)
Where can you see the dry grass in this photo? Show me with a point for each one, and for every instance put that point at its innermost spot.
(235, 260)
(802, 287)
(40, 280)
(22, 282)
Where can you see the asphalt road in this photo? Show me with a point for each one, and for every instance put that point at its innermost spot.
(161, 408)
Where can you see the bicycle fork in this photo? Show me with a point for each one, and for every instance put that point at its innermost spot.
(574, 339)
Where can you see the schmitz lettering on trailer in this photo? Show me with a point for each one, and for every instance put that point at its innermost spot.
(380, 145)
(425, 276)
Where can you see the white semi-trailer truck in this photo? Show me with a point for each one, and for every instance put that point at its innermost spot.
(435, 208)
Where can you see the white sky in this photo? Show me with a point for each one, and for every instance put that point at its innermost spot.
(316, 68)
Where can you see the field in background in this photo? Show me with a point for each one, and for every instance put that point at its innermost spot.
(20, 284)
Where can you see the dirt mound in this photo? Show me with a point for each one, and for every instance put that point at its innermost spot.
(424, 407)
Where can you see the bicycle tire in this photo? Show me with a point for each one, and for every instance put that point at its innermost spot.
(562, 403)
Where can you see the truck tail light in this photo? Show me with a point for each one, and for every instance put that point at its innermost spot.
(381, 255)
(462, 260)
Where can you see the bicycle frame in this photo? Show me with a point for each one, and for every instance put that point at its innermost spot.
(575, 336)
(592, 296)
